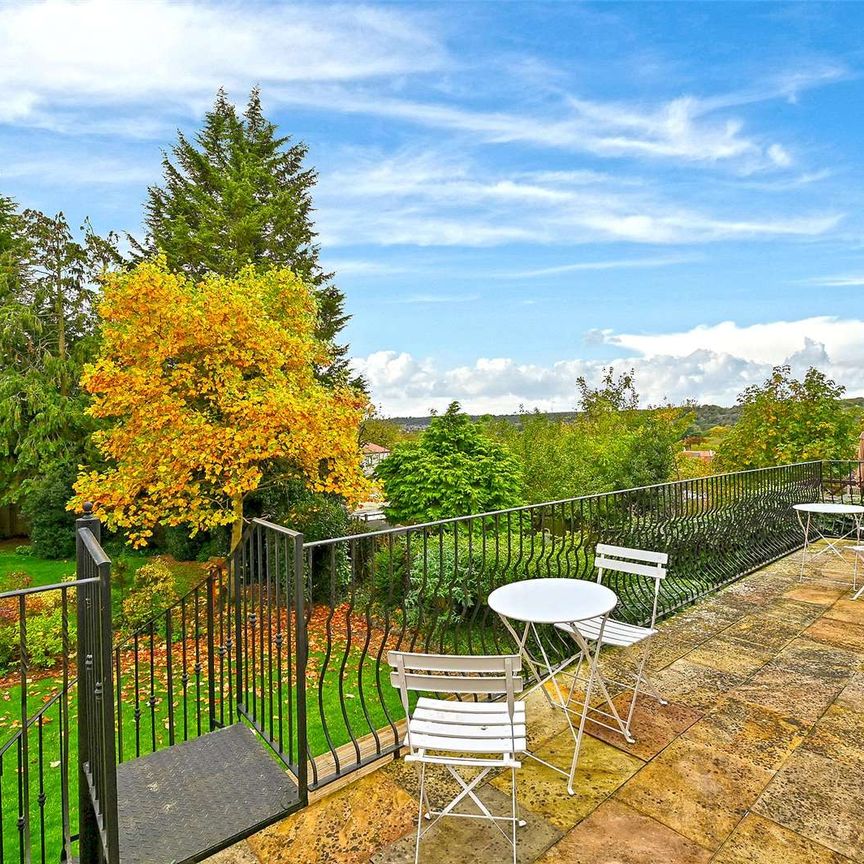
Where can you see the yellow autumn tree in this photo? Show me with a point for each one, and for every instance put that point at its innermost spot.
(202, 386)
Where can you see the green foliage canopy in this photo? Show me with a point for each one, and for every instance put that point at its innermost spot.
(239, 194)
(48, 291)
(786, 420)
(452, 470)
(611, 444)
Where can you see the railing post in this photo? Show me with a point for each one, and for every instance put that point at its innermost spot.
(211, 648)
(302, 656)
(108, 805)
(239, 626)
(88, 826)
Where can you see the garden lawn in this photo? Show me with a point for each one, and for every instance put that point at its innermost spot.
(43, 571)
(46, 828)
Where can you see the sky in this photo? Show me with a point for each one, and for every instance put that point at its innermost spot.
(511, 194)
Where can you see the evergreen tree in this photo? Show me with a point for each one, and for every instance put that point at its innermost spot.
(47, 334)
(239, 194)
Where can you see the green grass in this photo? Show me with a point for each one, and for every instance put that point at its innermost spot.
(40, 570)
(153, 723)
(48, 572)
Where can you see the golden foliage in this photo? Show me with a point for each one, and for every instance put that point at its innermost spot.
(203, 384)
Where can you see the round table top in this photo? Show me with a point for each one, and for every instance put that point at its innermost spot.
(552, 601)
(819, 507)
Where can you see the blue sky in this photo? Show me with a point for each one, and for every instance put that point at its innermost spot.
(511, 194)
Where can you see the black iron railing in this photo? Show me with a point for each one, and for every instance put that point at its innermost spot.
(424, 587)
(97, 780)
(287, 621)
(266, 605)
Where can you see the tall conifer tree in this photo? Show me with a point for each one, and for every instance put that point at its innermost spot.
(239, 194)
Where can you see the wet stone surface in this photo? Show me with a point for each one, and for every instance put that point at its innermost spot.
(757, 759)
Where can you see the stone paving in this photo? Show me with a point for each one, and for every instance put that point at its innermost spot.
(758, 758)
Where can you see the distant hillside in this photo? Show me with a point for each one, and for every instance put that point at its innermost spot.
(707, 416)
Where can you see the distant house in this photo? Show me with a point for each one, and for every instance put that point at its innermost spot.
(373, 454)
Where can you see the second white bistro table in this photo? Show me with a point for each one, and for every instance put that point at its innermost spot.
(806, 514)
(556, 601)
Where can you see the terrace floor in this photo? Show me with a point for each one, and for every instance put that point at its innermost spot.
(758, 758)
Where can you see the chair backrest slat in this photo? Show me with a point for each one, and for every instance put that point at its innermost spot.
(468, 664)
(637, 562)
(655, 571)
(633, 554)
(488, 684)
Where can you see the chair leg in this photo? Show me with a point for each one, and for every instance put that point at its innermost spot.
(420, 812)
(515, 818)
(642, 678)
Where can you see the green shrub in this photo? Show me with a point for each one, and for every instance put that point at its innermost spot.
(45, 639)
(180, 546)
(321, 517)
(454, 578)
(152, 592)
(8, 646)
(52, 527)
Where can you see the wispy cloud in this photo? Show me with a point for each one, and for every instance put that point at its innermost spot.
(432, 199)
(848, 281)
(618, 264)
(59, 53)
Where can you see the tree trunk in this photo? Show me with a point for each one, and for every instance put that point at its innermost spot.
(237, 527)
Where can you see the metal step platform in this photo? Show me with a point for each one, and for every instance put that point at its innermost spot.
(189, 801)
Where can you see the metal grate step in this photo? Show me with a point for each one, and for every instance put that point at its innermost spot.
(195, 798)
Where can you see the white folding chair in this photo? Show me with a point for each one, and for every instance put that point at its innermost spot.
(462, 734)
(635, 562)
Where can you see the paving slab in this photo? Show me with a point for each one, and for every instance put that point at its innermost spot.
(455, 841)
(760, 841)
(698, 791)
(818, 798)
(694, 685)
(748, 731)
(602, 769)
(726, 654)
(789, 693)
(617, 834)
(837, 632)
(654, 726)
(347, 827)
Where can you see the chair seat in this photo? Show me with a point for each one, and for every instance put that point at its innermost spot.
(467, 727)
(617, 633)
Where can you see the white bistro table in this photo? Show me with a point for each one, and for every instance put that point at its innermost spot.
(557, 601)
(808, 517)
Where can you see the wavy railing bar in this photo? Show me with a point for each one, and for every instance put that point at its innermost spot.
(401, 529)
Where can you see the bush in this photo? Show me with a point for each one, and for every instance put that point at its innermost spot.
(8, 646)
(52, 527)
(15, 581)
(45, 639)
(321, 517)
(453, 582)
(152, 592)
(180, 546)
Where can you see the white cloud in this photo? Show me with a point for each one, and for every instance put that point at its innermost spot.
(762, 343)
(434, 199)
(708, 364)
(617, 264)
(848, 281)
(59, 53)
